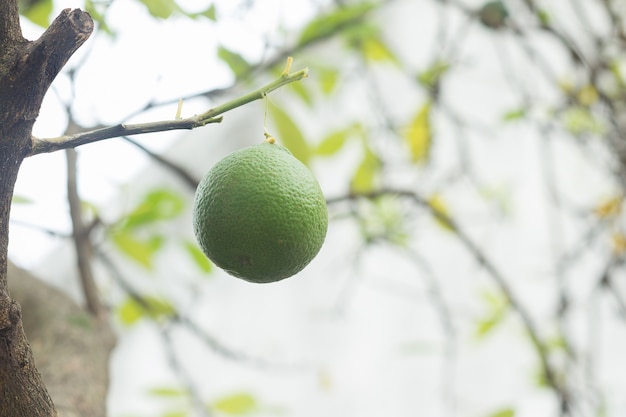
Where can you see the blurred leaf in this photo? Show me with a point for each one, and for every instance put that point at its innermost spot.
(364, 178)
(181, 413)
(587, 95)
(141, 251)
(500, 196)
(495, 300)
(383, 219)
(16, 199)
(507, 412)
(237, 64)
(579, 120)
(618, 241)
(198, 257)
(289, 135)
(544, 17)
(558, 343)
(375, 50)
(159, 204)
(210, 13)
(609, 208)
(161, 8)
(332, 143)
(236, 404)
(617, 73)
(328, 79)
(300, 90)
(440, 210)
(497, 309)
(98, 17)
(324, 379)
(431, 76)
(132, 310)
(486, 325)
(418, 135)
(37, 12)
(168, 392)
(325, 25)
(515, 114)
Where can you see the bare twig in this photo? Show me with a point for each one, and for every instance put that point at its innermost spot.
(82, 242)
(181, 172)
(183, 375)
(498, 277)
(209, 340)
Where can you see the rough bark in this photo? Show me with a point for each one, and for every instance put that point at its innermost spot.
(27, 68)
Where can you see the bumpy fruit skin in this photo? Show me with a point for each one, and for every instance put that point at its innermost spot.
(260, 214)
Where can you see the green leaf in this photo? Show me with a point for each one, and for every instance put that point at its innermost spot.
(579, 120)
(366, 174)
(98, 17)
(181, 413)
(328, 78)
(383, 219)
(514, 114)
(236, 404)
(235, 61)
(141, 251)
(544, 17)
(159, 204)
(210, 13)
(16, 199)
(328, 24)
(168, 392)
(289, 135)
(300, 90)
(332, 143)
(161, 8)
(132, 310)
(486, 325)
(440, 211)
(38, 12)
(431, 76)
(497, 306)
(198, 257)
(507, 412)
(375, 50)
(418, 136)
(615, 68)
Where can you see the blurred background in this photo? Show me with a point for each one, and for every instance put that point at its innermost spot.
(473, 158)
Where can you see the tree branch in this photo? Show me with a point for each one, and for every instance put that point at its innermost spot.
(82, 242)
(10, 30)
(211, 116)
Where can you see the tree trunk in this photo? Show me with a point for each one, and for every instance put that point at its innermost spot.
(26, 71)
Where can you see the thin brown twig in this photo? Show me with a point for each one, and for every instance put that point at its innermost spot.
(82, 241)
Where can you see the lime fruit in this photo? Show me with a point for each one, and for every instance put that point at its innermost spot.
(260, 214)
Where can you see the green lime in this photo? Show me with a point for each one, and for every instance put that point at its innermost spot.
(260, 214)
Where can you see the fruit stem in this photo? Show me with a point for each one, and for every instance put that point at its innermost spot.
(269, 138)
